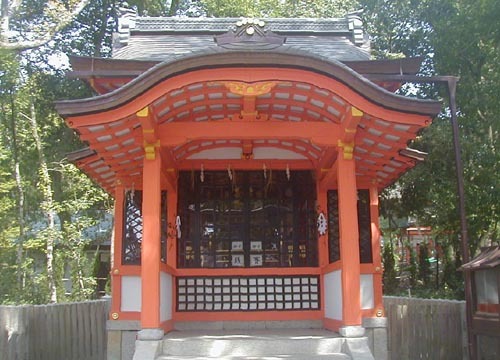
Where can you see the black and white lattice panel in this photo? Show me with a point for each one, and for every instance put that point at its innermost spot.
(259, 293)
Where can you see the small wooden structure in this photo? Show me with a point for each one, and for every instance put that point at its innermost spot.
(246, 173)
(485, 269)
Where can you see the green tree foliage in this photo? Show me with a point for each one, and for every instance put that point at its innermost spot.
(28, 88)
(75, 203)
(28, 24)
(424, 266)
(456, 38)
(390, 275)
(267, 8)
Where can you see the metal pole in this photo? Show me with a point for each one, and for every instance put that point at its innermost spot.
(452, 87)
(451, 82)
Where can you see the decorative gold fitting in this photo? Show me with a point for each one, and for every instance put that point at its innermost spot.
(249, 113)
(143, 112)
(379, 313)
(377, 269)
(250, 89)
(116, 271)
(115, 316)
(150, 149)
(356, 112)
(348, 149)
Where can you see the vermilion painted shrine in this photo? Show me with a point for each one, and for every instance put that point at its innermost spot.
(245, 158)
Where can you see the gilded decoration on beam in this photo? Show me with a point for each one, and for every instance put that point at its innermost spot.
(348, 148)
(150, 150)
(356, 112)
(249, 89)
(143, 112)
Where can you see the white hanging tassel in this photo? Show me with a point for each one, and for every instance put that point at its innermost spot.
(132, 192)
(287, 172)
(229, 172)
(202, 174)
(178, 226)
(265, 170)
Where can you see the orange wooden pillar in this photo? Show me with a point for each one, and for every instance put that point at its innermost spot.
(151, 248)
(116, 285)
(377, 259)
(349, 242)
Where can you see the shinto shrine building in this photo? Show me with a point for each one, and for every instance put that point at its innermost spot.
(245, 158)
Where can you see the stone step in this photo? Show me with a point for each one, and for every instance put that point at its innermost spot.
(263, 357)
(253, 344)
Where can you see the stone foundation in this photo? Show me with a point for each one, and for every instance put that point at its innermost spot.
(122, 335)
(376, 332)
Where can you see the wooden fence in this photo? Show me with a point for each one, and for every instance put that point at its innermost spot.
(426, 329)
(72, 331)
(417, 329)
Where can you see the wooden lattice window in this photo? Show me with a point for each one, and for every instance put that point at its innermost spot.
(164, 227)
(248, 293)
(132, 228)
(364, 227)
(333, 226)
(247, 219)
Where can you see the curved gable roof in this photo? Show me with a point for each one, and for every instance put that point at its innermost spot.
(219, 58)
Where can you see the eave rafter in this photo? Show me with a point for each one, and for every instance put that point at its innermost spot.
(321, 104)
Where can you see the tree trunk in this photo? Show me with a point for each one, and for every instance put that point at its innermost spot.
(5, 17)
(10, 137)
(47, 204)
(174, 6)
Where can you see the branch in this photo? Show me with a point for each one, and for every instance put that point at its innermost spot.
(64, 18)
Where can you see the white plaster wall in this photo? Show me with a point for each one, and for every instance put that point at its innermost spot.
(333, 295)
(366, 283)
(131, 293)
(165, 296)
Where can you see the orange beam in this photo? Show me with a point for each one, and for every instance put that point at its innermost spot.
(246, 165)
(349, 241)
(350, 124)
(150, 269)
(320, 133)
(248, 271)
(328, 158)
(248, 315)
(149, 125)
(330, 176)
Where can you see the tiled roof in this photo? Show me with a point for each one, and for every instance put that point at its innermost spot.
(167, 47)
(487, 259)
(167, 38)
(221, 25)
